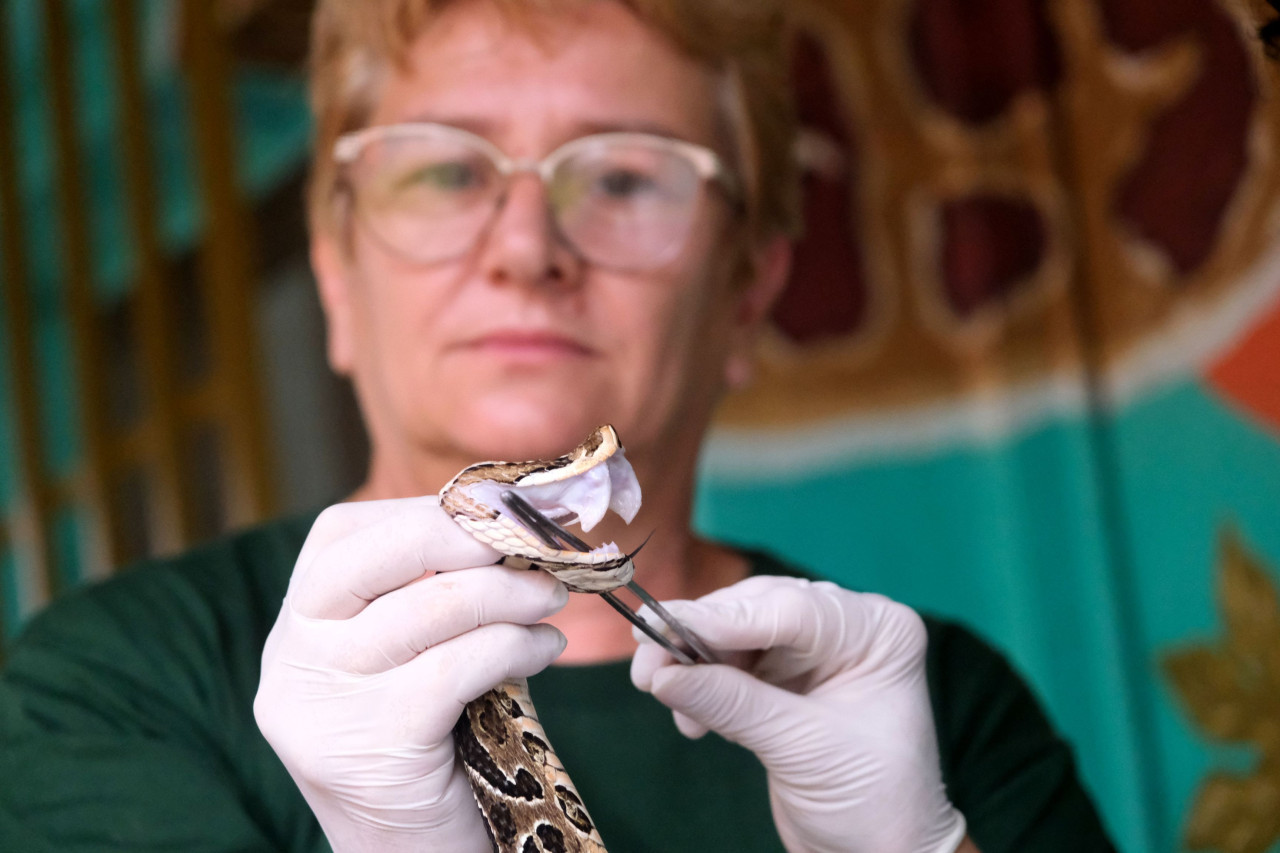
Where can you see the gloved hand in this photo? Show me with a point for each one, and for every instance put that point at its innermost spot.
(827, 687)
(372, 659)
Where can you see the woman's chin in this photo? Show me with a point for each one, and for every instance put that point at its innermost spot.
(526, 432)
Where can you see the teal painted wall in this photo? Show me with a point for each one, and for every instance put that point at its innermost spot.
(1083, 548)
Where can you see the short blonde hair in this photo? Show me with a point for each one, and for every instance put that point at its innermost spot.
(355, 42)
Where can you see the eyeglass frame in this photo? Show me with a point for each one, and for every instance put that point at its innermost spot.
(708, 165)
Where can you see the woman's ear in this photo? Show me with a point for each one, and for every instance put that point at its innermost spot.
(769, 266)
(333, 281)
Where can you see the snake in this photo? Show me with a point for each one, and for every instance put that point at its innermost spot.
(528, 801)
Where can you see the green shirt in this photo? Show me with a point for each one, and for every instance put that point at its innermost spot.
(126, 724)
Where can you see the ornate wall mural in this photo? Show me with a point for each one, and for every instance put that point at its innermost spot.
(1005, 194)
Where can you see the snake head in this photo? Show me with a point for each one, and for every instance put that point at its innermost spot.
(579, 487)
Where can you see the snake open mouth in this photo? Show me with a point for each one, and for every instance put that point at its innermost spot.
(581, 498)
(580, 488)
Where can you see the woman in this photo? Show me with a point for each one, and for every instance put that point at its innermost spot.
(531, 219)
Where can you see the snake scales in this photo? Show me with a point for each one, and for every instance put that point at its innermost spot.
(528, 801)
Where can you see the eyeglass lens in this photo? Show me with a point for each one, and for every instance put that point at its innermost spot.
(623, 202)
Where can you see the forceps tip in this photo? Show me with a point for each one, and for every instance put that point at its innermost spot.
(555, 536)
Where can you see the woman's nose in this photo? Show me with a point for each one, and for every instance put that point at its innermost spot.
(523, 245)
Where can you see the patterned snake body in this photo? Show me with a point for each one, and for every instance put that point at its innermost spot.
(528, 800)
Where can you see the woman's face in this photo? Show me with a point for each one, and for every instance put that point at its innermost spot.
(518, 347)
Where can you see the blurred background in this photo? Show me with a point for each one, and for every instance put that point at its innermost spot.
(1026, 374)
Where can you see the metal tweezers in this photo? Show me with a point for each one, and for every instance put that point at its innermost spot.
(555, 536)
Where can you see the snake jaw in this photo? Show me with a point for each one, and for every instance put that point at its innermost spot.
(581, 486)
(582, 498)
(599, 570)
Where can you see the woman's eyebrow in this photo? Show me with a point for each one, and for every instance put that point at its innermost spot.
(474, 124)
(491, 128)
(628, 126)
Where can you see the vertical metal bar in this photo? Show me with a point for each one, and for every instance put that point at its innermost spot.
(227, 266)
(29, 515)
(99, 549)
(170, 509)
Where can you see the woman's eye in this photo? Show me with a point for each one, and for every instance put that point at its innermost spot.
(624, 184)
(452, 176)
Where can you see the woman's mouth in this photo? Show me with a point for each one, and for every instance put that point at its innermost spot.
(526, 345)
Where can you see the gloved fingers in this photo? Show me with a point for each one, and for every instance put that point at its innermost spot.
(764, 719)
(761, 612)
(396, 717)
(688, 726)
(397, 627)
(364, 550)
(340, 519)
(416, 704)
(469, 664)
(796, 621)
(807, 630)
(649, 657)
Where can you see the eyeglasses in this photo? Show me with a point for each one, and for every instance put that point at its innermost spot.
(622, 200)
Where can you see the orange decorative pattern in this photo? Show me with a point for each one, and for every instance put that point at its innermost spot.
(1249, 373)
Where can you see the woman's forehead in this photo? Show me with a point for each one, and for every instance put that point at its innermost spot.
(578, 69)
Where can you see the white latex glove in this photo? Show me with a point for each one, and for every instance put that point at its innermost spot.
(369, 665)
(827, 687)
